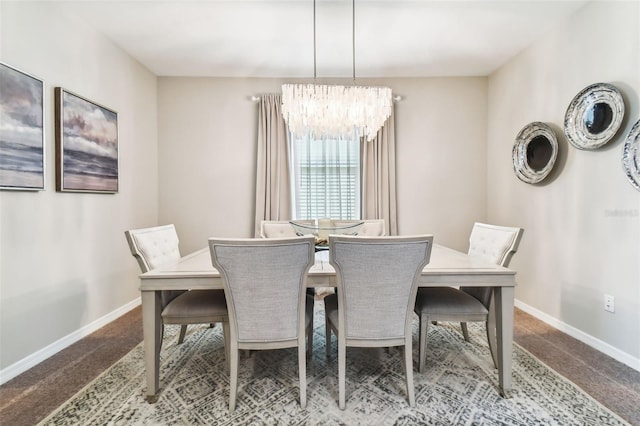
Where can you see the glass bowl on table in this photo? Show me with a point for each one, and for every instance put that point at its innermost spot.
(322, 228)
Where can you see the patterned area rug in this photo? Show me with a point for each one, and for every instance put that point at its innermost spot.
(458, 388)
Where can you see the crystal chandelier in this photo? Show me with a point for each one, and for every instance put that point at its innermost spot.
(334, 111)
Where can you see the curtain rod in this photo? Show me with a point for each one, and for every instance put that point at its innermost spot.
(254, 98)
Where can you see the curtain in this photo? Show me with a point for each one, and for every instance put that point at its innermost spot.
(379, 177)
(273, 194)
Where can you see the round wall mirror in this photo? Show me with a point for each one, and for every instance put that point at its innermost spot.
(631, 156)
(598, 118)
(594, 116)
(534, 152)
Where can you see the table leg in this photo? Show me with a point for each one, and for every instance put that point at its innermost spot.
(152, 333)
(504, 297)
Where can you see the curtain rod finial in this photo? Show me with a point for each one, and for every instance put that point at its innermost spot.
(397, 98)
(255, 98)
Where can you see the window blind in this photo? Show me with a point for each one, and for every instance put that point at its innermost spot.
(325, 178)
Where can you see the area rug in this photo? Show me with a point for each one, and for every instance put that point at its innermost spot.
(459, 387)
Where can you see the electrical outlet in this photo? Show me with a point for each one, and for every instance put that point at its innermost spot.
(608, 303)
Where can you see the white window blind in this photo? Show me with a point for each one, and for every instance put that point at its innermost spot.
(325, 178)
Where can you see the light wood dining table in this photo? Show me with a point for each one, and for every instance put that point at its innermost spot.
(447, 267)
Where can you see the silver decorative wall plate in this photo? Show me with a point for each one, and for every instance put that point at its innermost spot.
(594, 116)
(631, 156)
(534, 152)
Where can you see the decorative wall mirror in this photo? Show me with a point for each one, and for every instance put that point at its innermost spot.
(594, 116)
(534, 152)
(631, 156)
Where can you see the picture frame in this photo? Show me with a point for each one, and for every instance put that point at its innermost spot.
(22, 137)
(86, 145)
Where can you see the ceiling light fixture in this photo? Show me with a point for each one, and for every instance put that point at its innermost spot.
(335, 111)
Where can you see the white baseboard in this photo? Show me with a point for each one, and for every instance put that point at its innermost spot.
(585, 338)
(37, 357)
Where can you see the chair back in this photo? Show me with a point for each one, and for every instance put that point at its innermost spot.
(377, 280)
(264, 283)
(280, 228)
(495, 244)
(153, 247)
(370, 227)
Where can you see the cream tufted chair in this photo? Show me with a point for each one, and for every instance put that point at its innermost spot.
(279, 228)
(496, 244)
(153, 247)
(370, 227)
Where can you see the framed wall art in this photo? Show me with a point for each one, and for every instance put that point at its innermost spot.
(86, 145)
(22, 141)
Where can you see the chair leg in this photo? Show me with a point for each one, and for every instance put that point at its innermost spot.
(422, 344)
(227, 349)
(492, 338)
(183, 331)
(302, 372)
(310, 338)
(465, 331)
(233, 378)
(342, 367)
(159, 339)
(327, 337)
(408, 371)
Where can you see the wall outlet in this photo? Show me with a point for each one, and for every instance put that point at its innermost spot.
(608, 303)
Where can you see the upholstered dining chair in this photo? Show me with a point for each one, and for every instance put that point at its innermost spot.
(370, 227)
(377, 279)
(280, 228)
(155, 246)
(264, 283)
(496, 244)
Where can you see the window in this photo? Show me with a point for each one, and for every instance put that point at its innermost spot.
(325, 178)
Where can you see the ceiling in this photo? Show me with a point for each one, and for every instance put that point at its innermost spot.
(274, 38)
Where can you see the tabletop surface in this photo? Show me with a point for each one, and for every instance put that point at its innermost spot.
(443, 261)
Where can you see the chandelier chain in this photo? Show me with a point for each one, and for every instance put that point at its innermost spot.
(335, 111)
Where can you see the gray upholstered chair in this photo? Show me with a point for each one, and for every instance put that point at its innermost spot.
(370, 227)
(264, 283)
(496, 244)
(279, 228)
(377, 280)
(155, 246)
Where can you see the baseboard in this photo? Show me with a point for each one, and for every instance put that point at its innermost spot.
(585, 338)
(37, 357)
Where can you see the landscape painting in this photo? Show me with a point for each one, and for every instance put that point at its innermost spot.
(21, 130)
(86, 145)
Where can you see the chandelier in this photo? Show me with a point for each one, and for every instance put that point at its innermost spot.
(335, 111)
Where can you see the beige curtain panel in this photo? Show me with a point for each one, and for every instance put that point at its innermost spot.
(379, 177)
(273, 193)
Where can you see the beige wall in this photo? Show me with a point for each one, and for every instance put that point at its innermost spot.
(582, 227)
(64, 261)
(207, 138)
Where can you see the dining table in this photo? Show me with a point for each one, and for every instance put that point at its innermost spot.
(447, 267)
